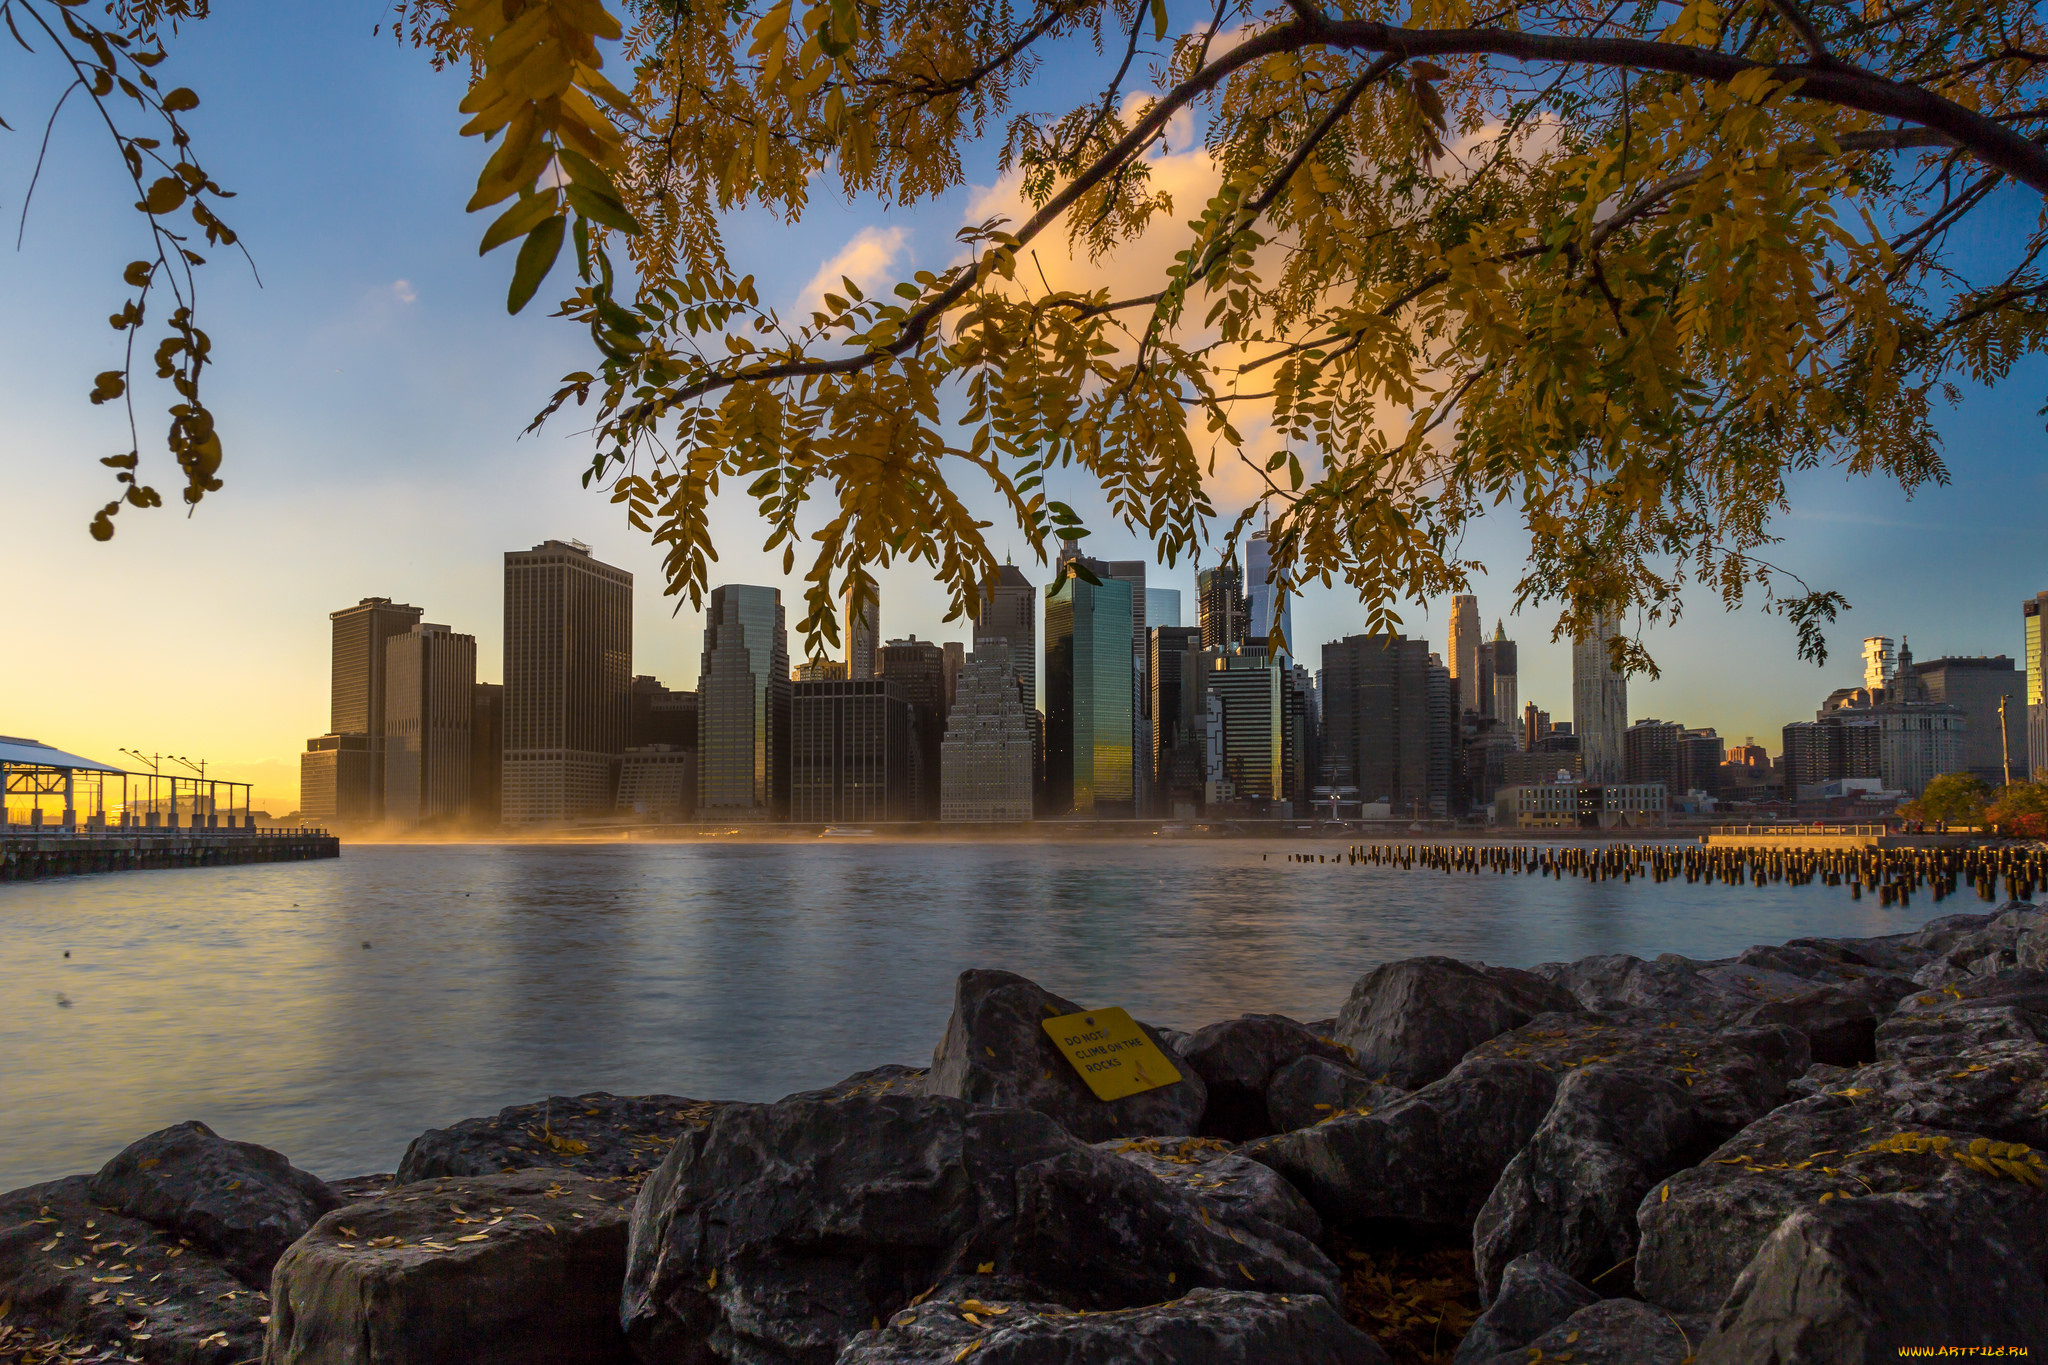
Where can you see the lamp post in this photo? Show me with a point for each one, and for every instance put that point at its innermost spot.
(2004, 744)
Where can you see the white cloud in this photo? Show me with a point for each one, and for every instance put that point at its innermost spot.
(868, 260)
(403, 291)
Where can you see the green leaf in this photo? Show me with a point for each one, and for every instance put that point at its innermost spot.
(517, 221)
(536, 259)
(1158, 19)
(600, 209)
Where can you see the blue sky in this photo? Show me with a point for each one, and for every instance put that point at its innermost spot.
(372, 392)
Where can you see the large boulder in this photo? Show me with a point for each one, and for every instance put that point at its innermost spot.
(782, 1230)
(1534, 1296)
(1212, 1326)
(518, 1269)
(242, 1202)
(597, 1134)
(996, 1052)
(1617, 981)
(1998, 1089)
(1635, 1105)
(1310, 1089)
(1236, 1060)
(1701, 1226)
(1853, 1282)
(1233, 1187)
(1612, 1332)
(1961, 948)
(1410, 1022)
(2010, 1008)
(111, 1287)
(1430, 1159)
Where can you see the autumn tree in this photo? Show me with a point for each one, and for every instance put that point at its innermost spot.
(1952, 798)
(1619, 271)
(2020, 810)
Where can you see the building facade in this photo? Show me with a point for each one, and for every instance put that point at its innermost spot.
(1499, 683)
(1174, 676)
(1162, 607)
(1880, 662)
(337, 781)
(1377, 719)
(1268, 608)
(356, 703)
(1993, 740)
(1443, 734)
(1089, 688)
(1464, 656)
(986, 762)
(743, 706)
(429, 721)
(1220, 594)
(863, 632)
(918, 668)
(1009, 615)
(658, 781)
(1599, 704)
(850, 752)
(2031, 621)
(1245, 722)
(1581, 805)
(568, 681)
(487, 753)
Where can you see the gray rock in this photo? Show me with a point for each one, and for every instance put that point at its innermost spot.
(1960, 948)
(1237, 1058)
(782, 1230)
(1534, 1297)
(1431, 1159)
(1959, 1015)
(1851, 1282)
(118, 1287)
(1999, 1090)
(512, 1269)
(1702, 1226)
(1619, 981)
(1210, 1326)
(1410, 1022)
(996, 1052)
(1613, 1332)
(1310, 1089)
(242, 1202)
(1235, 1188)
(597, 1134)
(1841, 1029)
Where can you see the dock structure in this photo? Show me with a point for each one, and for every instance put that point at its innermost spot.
(29, 852)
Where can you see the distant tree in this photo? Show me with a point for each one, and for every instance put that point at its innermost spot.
(1621, 271)
(1955, 798)
(2020, 811)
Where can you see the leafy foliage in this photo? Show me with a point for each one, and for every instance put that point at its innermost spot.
(2020, 810)
(1956, 798)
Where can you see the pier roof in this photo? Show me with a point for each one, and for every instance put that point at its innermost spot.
(34, 753)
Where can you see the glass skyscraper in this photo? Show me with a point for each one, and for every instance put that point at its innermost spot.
(568, 681)
(1089, 685)
(743, 704)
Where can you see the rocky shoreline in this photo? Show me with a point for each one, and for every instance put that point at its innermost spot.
(1821, 1151)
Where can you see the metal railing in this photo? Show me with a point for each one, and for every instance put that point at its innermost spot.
(22, 829)
(1801, 831)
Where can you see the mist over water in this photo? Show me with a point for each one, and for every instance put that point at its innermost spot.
(497, 974)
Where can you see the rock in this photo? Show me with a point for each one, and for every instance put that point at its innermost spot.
(1310, 1089)
(595, 1135)
(1618, 981)
(242, 1202)
(78, 1272)
(996, 1052)
(1855, 1281)
(1235, 1188)
(1237, 1058)
(524, 1267)
(1431, 1159)
(1212, 1326)
(1999, 1090)
(1612, 1332)
(1534, 1296)
(1702, 1226)
(782, 1230)
(1840, 1029)
(2011, 1007)
(1959, 948)
(1410, 1022)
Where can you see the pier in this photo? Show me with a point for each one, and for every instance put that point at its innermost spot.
(31, 852)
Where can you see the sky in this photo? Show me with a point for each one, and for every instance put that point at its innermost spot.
(372, 392)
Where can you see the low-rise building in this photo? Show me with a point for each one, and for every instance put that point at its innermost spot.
(658, 780)
(1582, 805)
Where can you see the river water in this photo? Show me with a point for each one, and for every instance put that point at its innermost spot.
(335, 1009)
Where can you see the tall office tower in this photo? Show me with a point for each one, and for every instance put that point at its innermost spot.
(956, 659)
(568, 681)
(863, 634)
(1974, 686)
(1599, 704)
(1220, 592)
(1246, 720)
(356, 704)
(1464, 658)
(1301, 739)
(1132, 571)
(986, 761)
(486, 752)
(743, 696)
(918, 667)
(1377, 715)
(1174, 675)
(1650, 753)
(1162, 607)
(820, 670)
(1880, 661)
(1267, 608)
(2037, 686)
(1700, 756)
(1497, 680)
(850, 752)
(1535, 728)
(1443, 733)
(1009, 613)
(429, 720)
(1088, 689)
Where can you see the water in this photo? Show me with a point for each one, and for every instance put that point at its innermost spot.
(496, 974)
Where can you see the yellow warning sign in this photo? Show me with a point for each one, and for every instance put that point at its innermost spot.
(1111, 1052)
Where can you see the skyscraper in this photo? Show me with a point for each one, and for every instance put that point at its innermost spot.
(956, 659)
(1599, 704)
(487, 752)
(1267, 608)
(1880, 661)
(743, 698)
(918, 668)
(986, 760)
(850, 752)
(429, 714)
(1009, 613)
(1089, 688)
(1162, 607)
(356, 707)
(1497, 679)
(863, 634)
(2037, 693)
(1377, 716)
(1246, 720)
(1464, 657)
(1974, 686)
(568, 680)
(1175, 672)
(1443, 733)
(1221, 593)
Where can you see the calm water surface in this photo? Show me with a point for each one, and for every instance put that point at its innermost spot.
(496, 974)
